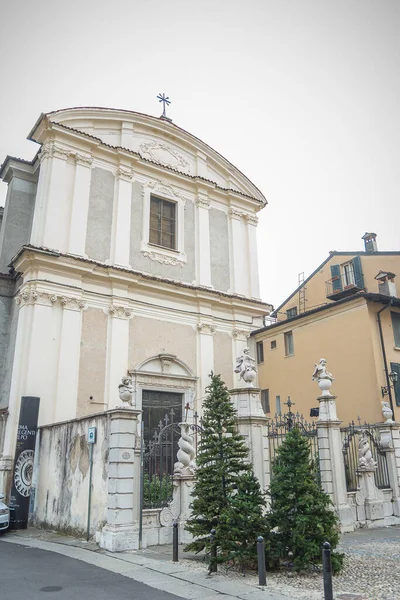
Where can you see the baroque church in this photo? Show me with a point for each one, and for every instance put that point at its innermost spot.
(127, 247)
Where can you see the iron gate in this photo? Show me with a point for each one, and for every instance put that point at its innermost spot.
(350, 439)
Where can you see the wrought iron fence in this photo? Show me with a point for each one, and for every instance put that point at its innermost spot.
(159, 457)
(350, 439)
(282, 423)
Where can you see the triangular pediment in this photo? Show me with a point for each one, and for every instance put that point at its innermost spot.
(159, 141)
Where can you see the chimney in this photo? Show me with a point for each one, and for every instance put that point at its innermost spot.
(370, 242)
(386, 284)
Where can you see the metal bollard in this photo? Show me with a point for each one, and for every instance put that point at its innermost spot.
(262, 572)
(213, 552)
(327, 571)
(175, 541)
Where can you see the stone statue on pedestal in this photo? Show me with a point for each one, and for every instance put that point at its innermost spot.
(246, 367)
(387, 412)
(125, 390)
(366, 461)
(323, 377)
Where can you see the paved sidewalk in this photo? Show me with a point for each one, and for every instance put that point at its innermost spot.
(154, 568)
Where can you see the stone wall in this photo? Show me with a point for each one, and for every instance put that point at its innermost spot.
(62, 475)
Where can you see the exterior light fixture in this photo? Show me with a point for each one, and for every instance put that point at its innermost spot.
(393, 376)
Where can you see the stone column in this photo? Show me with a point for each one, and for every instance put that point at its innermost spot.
(203, 240)
(122, 529)
(390, 440)
(80, 205)
(331, 460)
(252, 424)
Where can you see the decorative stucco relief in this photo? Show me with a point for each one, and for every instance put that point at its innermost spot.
(251, 219)
(162, 258)
(164, 188)
(237, 214)
(72, 303)
(120, 312)
(164, 154)
(83, 160)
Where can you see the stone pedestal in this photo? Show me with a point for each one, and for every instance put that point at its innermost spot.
(122, 529)
(369, 499)
(252, 424)
(390, 441)
(186, 484)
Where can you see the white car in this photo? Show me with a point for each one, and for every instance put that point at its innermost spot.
(4, 514)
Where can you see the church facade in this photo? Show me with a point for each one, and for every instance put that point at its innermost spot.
(128, 246)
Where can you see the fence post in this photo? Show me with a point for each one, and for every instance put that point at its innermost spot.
(213, 553)
(262, 574)
(331, 462)
(175, 541)
(327, 570)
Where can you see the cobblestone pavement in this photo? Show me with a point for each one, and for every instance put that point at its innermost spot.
(371, 570)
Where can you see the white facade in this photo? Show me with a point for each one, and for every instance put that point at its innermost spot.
(94, 298)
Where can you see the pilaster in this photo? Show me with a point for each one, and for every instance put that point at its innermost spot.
(203, 240)
(117, 351)
(390, 441)
(254, 286)
(205, 331)
(239, 252)
(122, 217)
(80, 205)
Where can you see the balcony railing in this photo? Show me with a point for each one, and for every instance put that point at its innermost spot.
(342, 286)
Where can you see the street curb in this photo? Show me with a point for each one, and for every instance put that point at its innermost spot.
(174, 578)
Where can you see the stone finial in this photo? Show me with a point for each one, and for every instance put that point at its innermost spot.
(323, 377)
(366, 461)
(125, 390)
(245, 366)
(186, 452)
(387, 412)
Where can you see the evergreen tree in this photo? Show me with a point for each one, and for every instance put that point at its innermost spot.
(242, 522)
(300, 510)
(221, 461)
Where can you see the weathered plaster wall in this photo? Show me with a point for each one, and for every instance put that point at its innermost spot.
(17, 219)
(61, 497)
(99, 224)
(223, 357)
(149, 337)
(92, 364)
(143, 263)
(219, 250)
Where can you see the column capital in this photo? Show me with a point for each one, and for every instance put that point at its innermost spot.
(202, 201)
(237, 214)
(72, 303)
(125, 173)
(206, 328)
(120, 312)
(83, 160)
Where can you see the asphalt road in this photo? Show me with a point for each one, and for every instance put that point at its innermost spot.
(34, 574)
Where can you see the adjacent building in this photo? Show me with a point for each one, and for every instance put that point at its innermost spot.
(347, 311)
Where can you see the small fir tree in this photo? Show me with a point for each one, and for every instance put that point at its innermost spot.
(242, 522)
(221, 470)
(300, 510)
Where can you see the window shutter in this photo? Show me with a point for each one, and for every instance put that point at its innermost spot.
(265, 401)
(396, 368)
(336, 279)
(396, 328)
(358, 276)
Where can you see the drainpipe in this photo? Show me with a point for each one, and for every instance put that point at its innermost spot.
(388, 382)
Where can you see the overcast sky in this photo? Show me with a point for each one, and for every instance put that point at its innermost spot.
(303, 96)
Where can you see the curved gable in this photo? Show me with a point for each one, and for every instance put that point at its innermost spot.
(157, 140)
